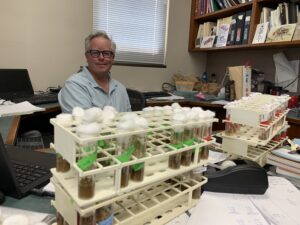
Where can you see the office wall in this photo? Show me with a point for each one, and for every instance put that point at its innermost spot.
(46, 37)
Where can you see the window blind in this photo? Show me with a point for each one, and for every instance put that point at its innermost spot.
(139, 28)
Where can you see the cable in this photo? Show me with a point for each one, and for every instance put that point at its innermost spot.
(167, 87)
(291, 82)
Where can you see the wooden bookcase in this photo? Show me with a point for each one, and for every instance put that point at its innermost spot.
(256, 6)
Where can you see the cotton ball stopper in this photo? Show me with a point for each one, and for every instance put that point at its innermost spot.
(78, 114)
(88, 130)
(141, 123)
(175, 105)
(64, 119)
(92, 115)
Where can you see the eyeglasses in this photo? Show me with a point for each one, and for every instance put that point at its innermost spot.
(96, 53)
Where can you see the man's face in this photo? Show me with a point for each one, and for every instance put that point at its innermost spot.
(99, 66)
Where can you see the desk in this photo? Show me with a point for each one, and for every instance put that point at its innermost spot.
(34, 203)
(11, 126)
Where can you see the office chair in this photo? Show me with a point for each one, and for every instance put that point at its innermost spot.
(137, 99)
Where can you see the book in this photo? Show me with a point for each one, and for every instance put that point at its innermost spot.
(287, 172)
(286, 153)
(240, 21)
(296, 36)
(207, 42)
(281, 33)
(275, 160)
(292, 12)
(232, 30)
(222, 35)
(261, 33)
(199, 36)
(208, 28)
(246, 27)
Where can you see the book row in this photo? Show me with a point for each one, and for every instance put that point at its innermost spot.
(209, 6)
(232, 30)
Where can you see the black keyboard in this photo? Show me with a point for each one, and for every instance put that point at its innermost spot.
(154, 94)
(38, 99)
(28, 173)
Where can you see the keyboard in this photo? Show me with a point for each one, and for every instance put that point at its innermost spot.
(28, 173)
(154, 94)
(38, 99)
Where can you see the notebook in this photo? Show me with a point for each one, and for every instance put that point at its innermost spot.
(15, 85)
(22, 170)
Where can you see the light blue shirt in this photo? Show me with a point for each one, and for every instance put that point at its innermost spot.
(82, 90)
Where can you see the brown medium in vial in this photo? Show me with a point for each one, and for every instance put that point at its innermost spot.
(88, 219)
(59, 219)
(86, 187)
(204, 152)
(137, 175)
(62, 165)
(125, 176)
(175, 161)
(186, 158)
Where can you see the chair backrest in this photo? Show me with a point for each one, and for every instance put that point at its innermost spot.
(137, 99)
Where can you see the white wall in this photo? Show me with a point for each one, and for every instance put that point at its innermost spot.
(47, 38)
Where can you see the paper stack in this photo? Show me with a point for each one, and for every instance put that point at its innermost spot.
(287, 164)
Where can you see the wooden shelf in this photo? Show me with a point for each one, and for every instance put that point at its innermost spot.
(256, 7)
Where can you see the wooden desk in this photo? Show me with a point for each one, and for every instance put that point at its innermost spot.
(11, 126)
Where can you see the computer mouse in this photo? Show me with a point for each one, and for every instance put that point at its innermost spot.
(32, 134)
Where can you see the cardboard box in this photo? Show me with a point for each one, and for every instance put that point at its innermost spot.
(242, 80)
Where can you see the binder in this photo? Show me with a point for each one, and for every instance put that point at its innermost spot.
(232, 30)
(246, 27)
(240, 20)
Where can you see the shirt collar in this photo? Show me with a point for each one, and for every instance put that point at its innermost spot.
(112, 83)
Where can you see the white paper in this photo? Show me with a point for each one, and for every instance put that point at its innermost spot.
(220, 208)
(34, 217)
(18, 109)
(286, 72)
(278, 206)
(171, 97)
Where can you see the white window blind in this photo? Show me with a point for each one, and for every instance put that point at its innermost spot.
(139, 28)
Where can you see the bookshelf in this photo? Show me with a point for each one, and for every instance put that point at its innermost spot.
(254, 5)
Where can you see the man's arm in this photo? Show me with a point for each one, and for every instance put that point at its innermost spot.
(72, 95)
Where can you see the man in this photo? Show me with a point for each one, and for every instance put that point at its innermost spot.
(93, 85)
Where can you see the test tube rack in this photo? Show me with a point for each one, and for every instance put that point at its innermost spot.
(248, 115)
(107, 188)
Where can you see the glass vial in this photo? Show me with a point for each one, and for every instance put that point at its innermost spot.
(196, 175)
(104, 215)
(62, 165)
(88, 219)
(137, 170)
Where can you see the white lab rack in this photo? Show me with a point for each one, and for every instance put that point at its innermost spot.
(248, 114)
(252, 111)
(68, 144)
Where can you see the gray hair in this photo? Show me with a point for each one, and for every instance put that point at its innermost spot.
(99, 33)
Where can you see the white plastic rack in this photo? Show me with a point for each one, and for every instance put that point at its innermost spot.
(154, 204)
(107, 170)
(256, 109)
(255, 126)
